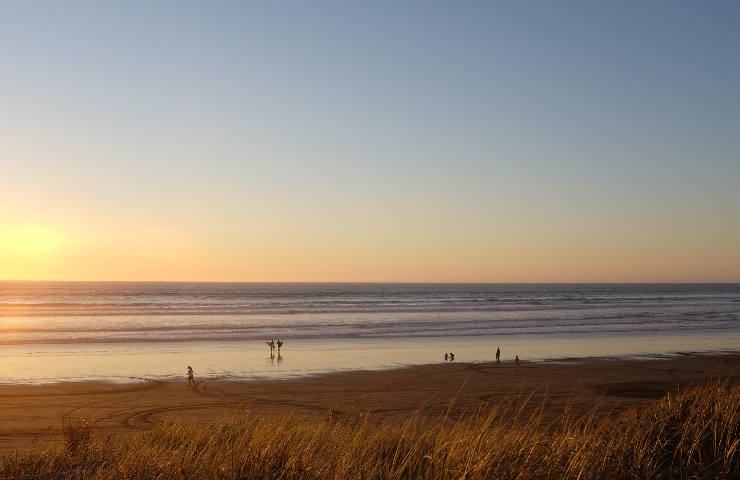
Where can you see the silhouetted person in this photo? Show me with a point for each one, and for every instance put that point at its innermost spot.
(498, 355)
(271, 344)
(452, 356)
(446, 356)
(516, 363)
(280, 344)
(191, 381)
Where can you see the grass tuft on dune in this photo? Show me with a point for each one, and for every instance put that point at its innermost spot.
(693, 433)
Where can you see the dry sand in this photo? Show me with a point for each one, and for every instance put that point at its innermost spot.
(33, 415)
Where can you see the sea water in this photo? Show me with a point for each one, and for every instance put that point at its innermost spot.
(120, 331)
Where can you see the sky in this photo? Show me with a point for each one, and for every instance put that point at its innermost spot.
(383, 141)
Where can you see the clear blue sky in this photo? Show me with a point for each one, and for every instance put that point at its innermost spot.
(375, 141)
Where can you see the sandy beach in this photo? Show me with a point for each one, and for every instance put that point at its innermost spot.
(34, 414)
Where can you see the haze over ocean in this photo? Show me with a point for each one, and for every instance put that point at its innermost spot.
(56, 331)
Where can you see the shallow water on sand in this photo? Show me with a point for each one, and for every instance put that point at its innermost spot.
(38, 364)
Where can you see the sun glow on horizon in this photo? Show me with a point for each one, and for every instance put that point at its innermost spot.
(28, 240)
(28, 250)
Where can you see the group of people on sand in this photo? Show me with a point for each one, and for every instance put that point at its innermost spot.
(451, 356)
(448, 357)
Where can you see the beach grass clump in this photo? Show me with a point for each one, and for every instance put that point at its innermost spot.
(692, 433)
(78, 436)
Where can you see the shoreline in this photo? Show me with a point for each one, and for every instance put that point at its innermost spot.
(569, 361)
(32, 415)
(304, 358)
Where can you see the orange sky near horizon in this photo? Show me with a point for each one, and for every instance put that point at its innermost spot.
(128, 254)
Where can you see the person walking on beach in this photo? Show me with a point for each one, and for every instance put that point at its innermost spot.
(498, 355)
(191, 381)
(516, 363)
(280, 344)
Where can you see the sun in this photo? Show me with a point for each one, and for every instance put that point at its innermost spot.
(28, 240)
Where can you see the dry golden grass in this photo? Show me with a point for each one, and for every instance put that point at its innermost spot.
(688, 434)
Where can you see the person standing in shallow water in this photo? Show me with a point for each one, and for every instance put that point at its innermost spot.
(498, 355)
(191, 381)
(516, 363)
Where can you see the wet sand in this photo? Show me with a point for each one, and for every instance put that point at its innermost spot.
(32, 415)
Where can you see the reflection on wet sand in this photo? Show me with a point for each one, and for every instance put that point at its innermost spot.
(279, 357)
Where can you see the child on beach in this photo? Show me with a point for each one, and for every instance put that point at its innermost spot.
(191, 381)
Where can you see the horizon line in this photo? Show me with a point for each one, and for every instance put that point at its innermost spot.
(389, 282)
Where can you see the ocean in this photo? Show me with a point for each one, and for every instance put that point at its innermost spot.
(134, 331)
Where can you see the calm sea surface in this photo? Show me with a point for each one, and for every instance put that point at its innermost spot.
(59, 331)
